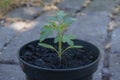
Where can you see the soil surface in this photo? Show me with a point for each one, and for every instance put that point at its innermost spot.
(43, 57)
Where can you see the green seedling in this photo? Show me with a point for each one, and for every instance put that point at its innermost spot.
(59, 23)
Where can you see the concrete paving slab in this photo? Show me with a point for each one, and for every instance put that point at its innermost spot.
(10, 53)
(115, 66)
(44, 17)
(5, 35)
(101, 5)
(118, 18)
(116, 37)
(116, 41)
(11, 72)
(9, 31)
(70, 6)
(90, 28)
(25, 13)
(25, 36)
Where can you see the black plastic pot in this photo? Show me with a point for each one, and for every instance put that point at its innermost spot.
(80, 73)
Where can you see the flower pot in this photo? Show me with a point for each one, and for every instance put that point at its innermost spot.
(78, 73)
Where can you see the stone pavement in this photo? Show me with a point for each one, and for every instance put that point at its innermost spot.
(90, 27)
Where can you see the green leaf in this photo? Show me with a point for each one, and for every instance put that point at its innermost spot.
(47, 28)
(70, 42)
(47, 46)
(43, 36)
(68, 39)
(45, 32)
(71, 36)
(69, 20)
(64, 26)
(53, 18)
(58, 17)
(61, 14)
(53, 24)
(56, 39)
(76, 46)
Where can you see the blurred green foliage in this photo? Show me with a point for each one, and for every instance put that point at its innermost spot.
(7, 5)
(4, 4)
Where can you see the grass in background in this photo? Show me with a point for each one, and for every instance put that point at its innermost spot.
(5, 6)
(8, 5)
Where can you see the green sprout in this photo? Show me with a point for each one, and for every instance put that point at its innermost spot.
(59, 23)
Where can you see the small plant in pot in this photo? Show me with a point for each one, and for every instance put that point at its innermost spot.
(60, 58)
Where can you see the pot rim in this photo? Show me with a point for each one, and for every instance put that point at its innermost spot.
(69, 69)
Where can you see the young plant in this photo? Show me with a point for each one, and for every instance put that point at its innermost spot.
(59, 23)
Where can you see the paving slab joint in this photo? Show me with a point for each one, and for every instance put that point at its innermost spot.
(107, 42)
(12, 38)
(83, 7)
(7, 43)
(10, 62)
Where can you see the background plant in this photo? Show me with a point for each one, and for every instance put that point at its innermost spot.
(59, 23)
(5, 5)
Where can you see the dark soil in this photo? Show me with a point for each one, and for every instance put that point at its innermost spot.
(36, 55)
